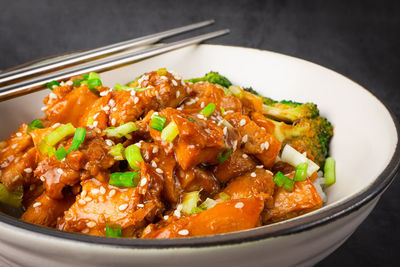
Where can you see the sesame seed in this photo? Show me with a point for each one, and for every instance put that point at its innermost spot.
(245, 156)
(174, 82)
(253, 174)
(14, 146)
(242, 122)
(60, 171)
(158, 170)
(225, 130)
(133, 92)
(105, 108)
(153, 164)
(36, 204)
(166, 217)
(95, 191)
(81, 201)
(178, 93)
(123, 207)
(140, 205)
(91, 224)
(112, 193)
(88, 199)
(266, 145)
(85, 231)
(111, 103)
(102, 190)
(200, 116)
(143, 181)
(164, 78)
(245, 138)
(183, 83)
(95, 123)
(260, 166)
(42, 178)
(113, 121)
(190, 146)
(43, 108)
(135, 100)
(239, 205)
(114, 109)
(202, 104)
(104, 93)
(262, 146)
(177, 213)
(18, 134)
(69, 83)
(183, 232)
(155, 150)
(55, 125)
(109, 142)
(28, 170)
(83, 193)
(235, 145)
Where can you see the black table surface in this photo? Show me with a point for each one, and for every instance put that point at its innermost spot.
(359, 39)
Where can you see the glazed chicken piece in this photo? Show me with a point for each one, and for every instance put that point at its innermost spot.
(229, 216)
(256, 140)
(46, 210)
(198, 179)
(17, 159)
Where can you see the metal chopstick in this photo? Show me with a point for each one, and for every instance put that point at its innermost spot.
(97, 52)
(37, 83)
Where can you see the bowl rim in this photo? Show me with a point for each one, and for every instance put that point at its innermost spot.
(284, 228)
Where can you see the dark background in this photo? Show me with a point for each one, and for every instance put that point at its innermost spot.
(359, 39)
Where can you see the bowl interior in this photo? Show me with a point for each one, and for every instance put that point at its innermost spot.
(365, 135)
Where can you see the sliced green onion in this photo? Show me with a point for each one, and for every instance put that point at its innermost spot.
(222, 110)
(93, 83)
(224, 155)
(224, 196)
(113, 230)
(12, 198)
(59, 134)
(191, 119)
(77, 82)
(294, 158)
(157, 122)
(79, 137)
(93, 75)
(124, 179)
(284, 182)
(60, 153)
(118, 87)
(121, 131)
(196, 210)
(138, 89)
(85, 76)
(301, 172)
(169, 133)
(329, 171)
(51, 84)
(35, 124)
(208, 110)
(208, 204)
(189, 202)
(236, 91)
(132, 155)
(117, 151)
(162, 71)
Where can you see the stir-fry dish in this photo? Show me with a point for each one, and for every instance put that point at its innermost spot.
(163, 157)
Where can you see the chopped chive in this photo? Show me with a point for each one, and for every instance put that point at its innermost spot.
(35, 124)
(121, 131)
(139, 89)
(60, 133)
(118, 87)
(162, 71)
(113, 230)
(60, 153)
(79, 137)
(93, 75)
(329, 171)
(117, 151)
(301, 172)
(189, 201)
(124, 179)
(77, 82)
(157, 122)
(208, 110)
(288, 185)
(51, 84)
(222, 110)
(169, 133)
(224, 155)
(85, 76)
(132, 155)
(284, 182)
(93, 83)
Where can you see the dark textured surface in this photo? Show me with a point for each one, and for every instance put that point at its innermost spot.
(359, 39)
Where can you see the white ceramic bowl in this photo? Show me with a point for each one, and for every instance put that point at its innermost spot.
(365, 147)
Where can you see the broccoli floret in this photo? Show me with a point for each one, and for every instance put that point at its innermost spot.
(311, 135)
(285, 110)
(212, 77)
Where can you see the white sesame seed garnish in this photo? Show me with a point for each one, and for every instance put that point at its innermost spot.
(178, 93)
(200, 116)
(123, 207)
(102, 190)
(133, 92)
(83, 193)
(202, 104)
(183, 232)
(245, 138)
(158, 170)
(153, 164)
(113, 121)
(143, 181)
(166, 217)
(81, 201)
(174, 82)
(190, 146)
(245, 156)
(69, 83)
(88, 199)
(18, 134)
(42, 178)
(55, 125)
(109, 142)
(36, 204)
(239, 205)
(14, 146)
(105, 108)
(91, 224)
(104, 93)
(235, 145)
(183, 83)
(43, 108)
(114, 109)
(135, 100)
(165, 78)
(140, 205)
(60, 171)
(260, 166)
(242, 122)
(266, 145)
(95, 191)
(95, 123)
(112, 193)
(111, 103)
(155, 150)
(262, 146)
(28, 170)
(253, 174)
